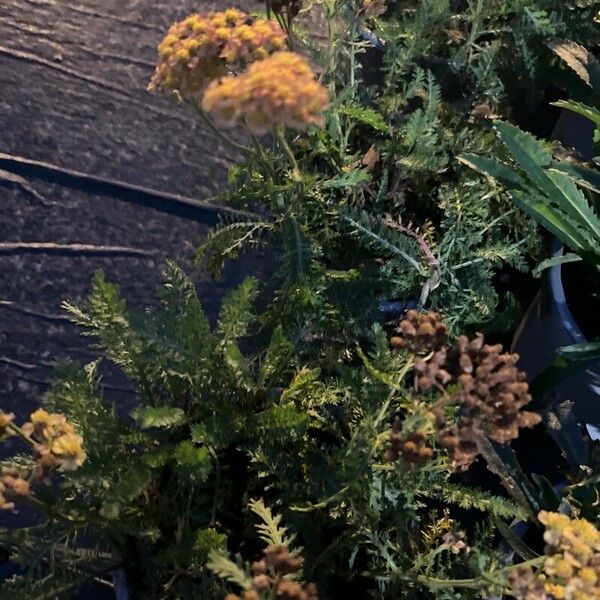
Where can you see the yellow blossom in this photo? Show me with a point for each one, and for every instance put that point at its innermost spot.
(279, 90)
(68, 451)
(571, 569)
(204, 47)
(5, 421)
(45, 427)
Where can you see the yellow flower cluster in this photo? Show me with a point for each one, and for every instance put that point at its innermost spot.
(57, 440)
(202, 47)
(571, 570)
(278, 90)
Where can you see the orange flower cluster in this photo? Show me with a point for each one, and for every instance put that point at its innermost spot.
(202, 47)
(571, 570)
(278, 90)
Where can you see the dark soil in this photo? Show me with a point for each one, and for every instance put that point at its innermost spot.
(73, 78)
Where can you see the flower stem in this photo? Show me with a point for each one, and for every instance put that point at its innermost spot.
(17, 430)
(222, 136)
(296, 175)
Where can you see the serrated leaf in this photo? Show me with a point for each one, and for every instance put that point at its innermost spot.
(270, 530)
(581, 60)
(503, 173)
(158, 416)
(302, 379)
(158, 457)
(195, 459)
(531, 155)
(208, 540)
(364, 115)
(277, 355)
(555, 261)
(584, 110)
(585, 176)
(236, 316)
(350, 179)
(221, 565)
(131, 484)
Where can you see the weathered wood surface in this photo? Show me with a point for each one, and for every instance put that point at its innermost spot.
(72, 81)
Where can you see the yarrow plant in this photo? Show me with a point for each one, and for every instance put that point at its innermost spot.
(365, 432)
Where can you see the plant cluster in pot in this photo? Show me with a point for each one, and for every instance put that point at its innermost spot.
(554, 338)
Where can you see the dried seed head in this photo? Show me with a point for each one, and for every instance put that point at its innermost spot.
(260, 582)
(421, 332)
(259, 567)
(410, 448)
(491, 393)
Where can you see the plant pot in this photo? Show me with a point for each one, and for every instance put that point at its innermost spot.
(547, 326)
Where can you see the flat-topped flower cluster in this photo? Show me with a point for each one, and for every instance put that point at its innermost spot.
(236, 69)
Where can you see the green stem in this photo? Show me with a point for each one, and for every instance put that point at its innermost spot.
(475, 582)
(280, 133)
(261, 153)
(222, 136)
(17, 430)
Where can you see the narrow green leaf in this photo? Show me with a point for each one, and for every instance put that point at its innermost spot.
(556, 260)
(584, 351)
(515, 542)
(585, 176)
(502, 172)
(584, 110)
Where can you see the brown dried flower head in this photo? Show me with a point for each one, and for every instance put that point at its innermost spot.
(281, 560)
(292, 590)
(44, 465)
(410, 449)
(279, 90)
(490, 393)
(204, 47)
(57, 443)
(456, 542)
(420, 332)
(45, 427)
